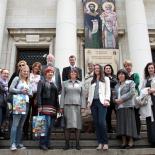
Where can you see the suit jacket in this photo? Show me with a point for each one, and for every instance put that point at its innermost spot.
(127, 93)
(66, 71)
(57, 77)
(104, 91)
(72, 94)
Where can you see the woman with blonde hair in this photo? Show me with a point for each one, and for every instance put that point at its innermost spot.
(20, 64)
(20, 85)
(134, 77)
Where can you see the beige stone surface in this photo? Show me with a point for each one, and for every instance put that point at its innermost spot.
(144, 151)
(42, 14)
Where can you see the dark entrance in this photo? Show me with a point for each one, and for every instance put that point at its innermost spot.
(153, 55)
(32, 55)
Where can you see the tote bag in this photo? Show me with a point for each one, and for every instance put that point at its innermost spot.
(19, 104)
(39, 125)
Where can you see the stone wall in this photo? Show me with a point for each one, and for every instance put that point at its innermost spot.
(42, 14)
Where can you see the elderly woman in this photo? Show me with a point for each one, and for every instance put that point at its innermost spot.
(47, 98)
(71, 102)
(126, 125)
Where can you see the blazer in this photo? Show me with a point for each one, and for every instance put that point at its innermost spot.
(47, 94)
(104, 91)
(72, 94)
(127, 93)
(57, 77)
(66, 72)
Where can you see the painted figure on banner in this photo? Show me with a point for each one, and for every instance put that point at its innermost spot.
(109, 26)
(92, 22)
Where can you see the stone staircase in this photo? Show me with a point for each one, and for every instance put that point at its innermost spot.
(88, 140)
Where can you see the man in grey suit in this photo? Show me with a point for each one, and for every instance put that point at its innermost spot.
(56, 77)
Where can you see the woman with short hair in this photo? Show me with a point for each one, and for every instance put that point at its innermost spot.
(71, 103)
(48, 104)
(124, 95)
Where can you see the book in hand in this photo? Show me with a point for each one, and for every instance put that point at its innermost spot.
(19, 104)
(39, 126)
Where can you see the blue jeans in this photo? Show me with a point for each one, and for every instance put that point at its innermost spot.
(45, 140)
(17, 128)
(99, 116)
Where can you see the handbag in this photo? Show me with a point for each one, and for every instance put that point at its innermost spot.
(39, 125)
(59, 121)
(142, 101)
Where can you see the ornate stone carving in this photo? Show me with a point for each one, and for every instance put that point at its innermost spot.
(152, 39)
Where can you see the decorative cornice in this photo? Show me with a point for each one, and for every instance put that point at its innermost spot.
(32, 34)
(31, 31)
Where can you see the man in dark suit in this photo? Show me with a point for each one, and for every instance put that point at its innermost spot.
(66, 70)
(56, 77)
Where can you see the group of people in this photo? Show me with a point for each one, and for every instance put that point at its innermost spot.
(100, 93)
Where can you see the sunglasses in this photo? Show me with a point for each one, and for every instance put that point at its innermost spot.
(21, 65)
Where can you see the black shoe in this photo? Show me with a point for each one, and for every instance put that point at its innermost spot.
(123, 146)
(66, 145)
(43, 147)
(129, 146)
(78, 146)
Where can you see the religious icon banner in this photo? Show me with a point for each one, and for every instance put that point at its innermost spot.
(100, 22)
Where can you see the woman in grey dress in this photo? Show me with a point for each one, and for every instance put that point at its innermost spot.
(126, 124)
(71, 102)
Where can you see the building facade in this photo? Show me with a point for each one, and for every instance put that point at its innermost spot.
(32, 28)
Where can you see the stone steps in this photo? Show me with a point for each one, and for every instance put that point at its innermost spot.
(137, 151)
(88, 136)
(115, 143)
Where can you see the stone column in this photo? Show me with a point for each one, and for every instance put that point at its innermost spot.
(3, 7)
(138, 38)
(66, 37)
